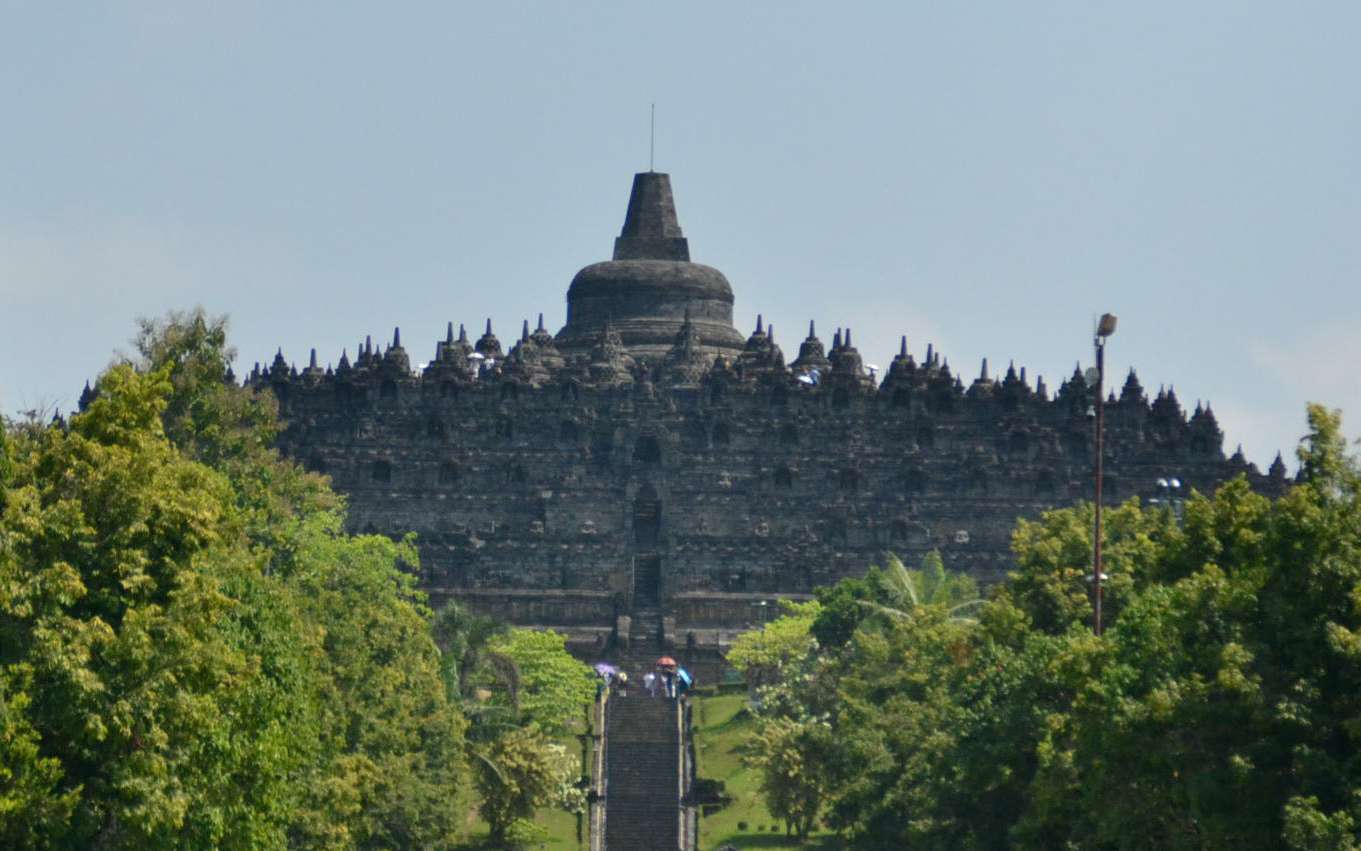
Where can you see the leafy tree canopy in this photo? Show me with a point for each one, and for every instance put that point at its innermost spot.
(192, 651)
(554, 688)
(1221, 708)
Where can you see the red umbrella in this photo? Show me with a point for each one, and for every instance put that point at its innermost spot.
(666, 662)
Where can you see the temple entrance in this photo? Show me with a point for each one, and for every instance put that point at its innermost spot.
(647, 519)
(647, 581)
(647, 564)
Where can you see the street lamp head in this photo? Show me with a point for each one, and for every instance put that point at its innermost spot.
(1106, 325)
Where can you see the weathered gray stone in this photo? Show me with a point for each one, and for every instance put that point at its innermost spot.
(649, 289)
(689, 483)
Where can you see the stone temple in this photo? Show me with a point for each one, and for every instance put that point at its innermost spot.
(649, 471)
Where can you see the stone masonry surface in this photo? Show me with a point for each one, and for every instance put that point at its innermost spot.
(581, 476)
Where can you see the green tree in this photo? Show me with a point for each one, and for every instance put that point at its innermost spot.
(1308, 829)
(1227, 692)
(552, 687)
(896, 725)
(1220, 709)
(887, 593)
(124, 572)
(791, 756)
(466, 658)
(212, 420)
(825, 737)
(761, 654)
(520, 771)
(192, 651)
(1052, 580)
(387, 764)
(33, 805)
(390, 770)
(523, 693)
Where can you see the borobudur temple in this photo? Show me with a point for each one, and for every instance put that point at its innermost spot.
(648, 470)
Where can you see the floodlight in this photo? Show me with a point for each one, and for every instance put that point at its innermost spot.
(1106, 326)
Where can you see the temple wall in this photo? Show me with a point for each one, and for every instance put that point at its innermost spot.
(527, 500)
(646, 463)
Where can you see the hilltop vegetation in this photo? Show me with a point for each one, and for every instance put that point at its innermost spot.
(1220, 709)
(194, 654)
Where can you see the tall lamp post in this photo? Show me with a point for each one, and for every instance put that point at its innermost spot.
(1104, 328)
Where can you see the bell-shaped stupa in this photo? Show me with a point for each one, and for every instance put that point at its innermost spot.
(645, 293)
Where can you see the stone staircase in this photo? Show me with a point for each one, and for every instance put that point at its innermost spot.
(642, 770)
(639, 654)
(645, 629)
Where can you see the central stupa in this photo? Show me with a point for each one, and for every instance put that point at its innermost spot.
(646, 292)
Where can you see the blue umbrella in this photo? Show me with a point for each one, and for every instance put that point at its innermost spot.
(605, 669)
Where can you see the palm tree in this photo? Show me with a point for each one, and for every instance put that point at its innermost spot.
(464, 638)
(904, 590)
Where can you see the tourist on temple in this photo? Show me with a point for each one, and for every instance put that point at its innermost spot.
(683, 681)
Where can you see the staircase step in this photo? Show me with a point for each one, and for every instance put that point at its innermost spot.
(642, 760)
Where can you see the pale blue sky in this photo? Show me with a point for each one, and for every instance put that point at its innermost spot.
(986, 177)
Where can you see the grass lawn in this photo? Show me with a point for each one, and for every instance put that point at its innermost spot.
(721, 726)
